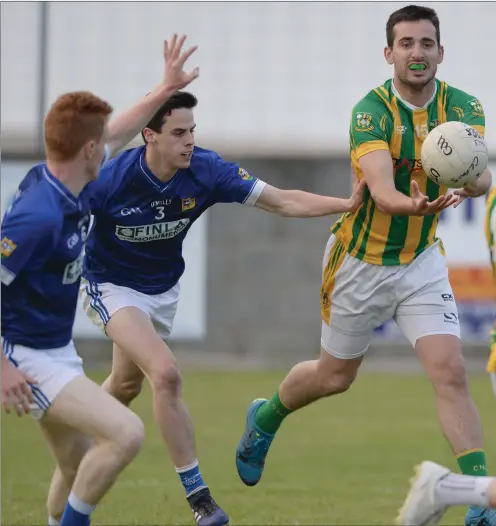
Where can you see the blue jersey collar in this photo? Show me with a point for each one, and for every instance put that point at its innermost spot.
(159, 185)
(61, 188)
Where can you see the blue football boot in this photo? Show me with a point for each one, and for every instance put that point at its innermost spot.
(477, 516)
(253, 447)
(206, 511)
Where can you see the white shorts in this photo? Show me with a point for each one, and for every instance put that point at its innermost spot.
(102, 300)
(52, 369)
(358, 297)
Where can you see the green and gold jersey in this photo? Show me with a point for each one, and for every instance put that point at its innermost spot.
(382, 121)
(490, 227)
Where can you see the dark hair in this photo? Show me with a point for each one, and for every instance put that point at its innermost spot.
(411, 13)
(180, 99)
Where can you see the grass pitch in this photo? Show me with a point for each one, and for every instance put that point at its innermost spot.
(345, 460)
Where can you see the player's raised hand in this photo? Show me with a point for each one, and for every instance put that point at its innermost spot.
(175, 76)
(356, 198)
(16, 391)
(423, 207)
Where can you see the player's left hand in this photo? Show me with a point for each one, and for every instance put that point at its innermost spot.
(175, 77)
(471, 190)
(356, 199)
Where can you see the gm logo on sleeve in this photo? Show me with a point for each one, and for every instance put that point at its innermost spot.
(154, 232)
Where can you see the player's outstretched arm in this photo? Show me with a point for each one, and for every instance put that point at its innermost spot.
(296, 203)
(377, 168)
(124, 127)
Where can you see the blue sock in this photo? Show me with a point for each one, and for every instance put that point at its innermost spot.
(191, 478)
(76, 513)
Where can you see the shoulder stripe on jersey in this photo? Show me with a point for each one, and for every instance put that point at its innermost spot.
(384, 91)
(441, 103)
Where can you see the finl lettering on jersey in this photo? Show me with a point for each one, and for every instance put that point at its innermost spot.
(129, 211)
(153, 232)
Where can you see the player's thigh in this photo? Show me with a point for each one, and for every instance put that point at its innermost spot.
(87, 408)
(124, 368)
(67, 445)
(356, 298)
(426, 302)
(101, 301)
(163, 311)
(133, 332)
(52, 369)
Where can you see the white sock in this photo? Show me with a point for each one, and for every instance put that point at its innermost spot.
(80, 506)
(493, 381)
(184, 469)
(53, 522)
(463, 490)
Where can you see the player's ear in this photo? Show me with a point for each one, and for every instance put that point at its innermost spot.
(89, 149)
(148, 135)
(441, 55)
(388, 55)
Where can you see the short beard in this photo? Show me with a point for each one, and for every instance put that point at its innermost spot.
(415, 85)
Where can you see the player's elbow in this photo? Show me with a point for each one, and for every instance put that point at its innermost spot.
(381, 200)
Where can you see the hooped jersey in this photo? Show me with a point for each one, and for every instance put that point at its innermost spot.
(383, 121)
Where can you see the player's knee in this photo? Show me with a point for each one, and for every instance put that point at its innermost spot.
(335, 383)
(334, 376)
(130, 437)
(166, 379)
(125, 389)
(450, 377)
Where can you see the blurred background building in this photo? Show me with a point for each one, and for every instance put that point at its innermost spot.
(278, 82)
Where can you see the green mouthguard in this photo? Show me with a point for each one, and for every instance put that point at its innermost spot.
(417, 66)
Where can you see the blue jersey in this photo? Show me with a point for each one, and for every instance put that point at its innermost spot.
(140, 222)
(43, 234)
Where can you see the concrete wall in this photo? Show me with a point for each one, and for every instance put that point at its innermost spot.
(264, 270)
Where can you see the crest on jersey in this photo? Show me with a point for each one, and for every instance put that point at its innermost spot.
(246, 176)
(459, 112)
(382, 124)
(363, 122)
(477, 108)
(7, 247)
(188, 204)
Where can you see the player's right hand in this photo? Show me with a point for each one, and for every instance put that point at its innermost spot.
(356, 198)
(175, 77)
(423, 207)
(16, 391)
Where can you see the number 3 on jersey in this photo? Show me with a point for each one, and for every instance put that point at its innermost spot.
(160, 215)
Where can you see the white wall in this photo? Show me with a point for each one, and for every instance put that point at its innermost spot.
(275, 76)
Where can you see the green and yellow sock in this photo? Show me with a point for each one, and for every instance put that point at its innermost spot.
(472, 462)
(270, 415)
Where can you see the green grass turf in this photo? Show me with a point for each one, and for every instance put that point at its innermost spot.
(345, 460)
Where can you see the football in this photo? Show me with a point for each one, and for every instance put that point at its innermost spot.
(454, 154)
